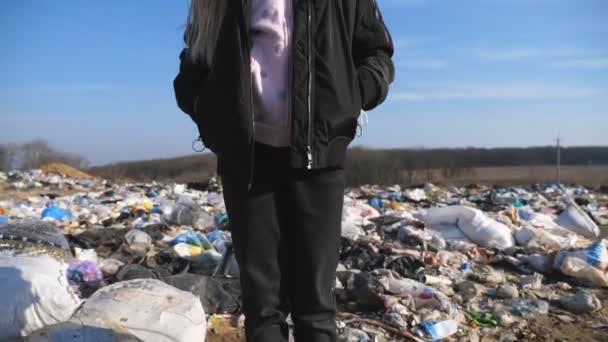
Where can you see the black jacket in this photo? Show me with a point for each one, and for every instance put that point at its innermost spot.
(340, 64)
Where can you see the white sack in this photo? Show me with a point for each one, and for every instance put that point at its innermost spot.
(34, 293)
(546, 239)
(147, 308)
(475, 225)
(576, 220)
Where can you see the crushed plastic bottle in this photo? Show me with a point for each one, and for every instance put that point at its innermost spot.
(528, 307)
(440, 330)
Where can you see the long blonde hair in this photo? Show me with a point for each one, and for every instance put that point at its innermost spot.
(203, 28)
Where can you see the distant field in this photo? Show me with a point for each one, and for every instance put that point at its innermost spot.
(593, 176)
(583, 165)
(200, 168)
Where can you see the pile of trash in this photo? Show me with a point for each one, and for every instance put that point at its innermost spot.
(96, 260)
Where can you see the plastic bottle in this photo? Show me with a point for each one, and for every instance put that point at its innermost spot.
(441, 330)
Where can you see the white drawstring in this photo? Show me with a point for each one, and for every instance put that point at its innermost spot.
(362, 122)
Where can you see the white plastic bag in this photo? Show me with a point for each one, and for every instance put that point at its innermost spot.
(580, 269)
(34, 293)
(356, 214)
(475, 225)
(576, 220)
(415, 195)
(148, 309)
(139, 241)
(595, 255)
(546, 239)
(423, 296)
(448, 232)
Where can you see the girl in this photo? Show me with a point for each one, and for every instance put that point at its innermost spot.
(275, 88)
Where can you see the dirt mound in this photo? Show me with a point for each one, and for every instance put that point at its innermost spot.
(65, 170)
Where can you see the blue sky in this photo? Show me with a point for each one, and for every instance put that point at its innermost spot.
(94, 78)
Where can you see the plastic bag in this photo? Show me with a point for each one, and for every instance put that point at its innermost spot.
(86, 255)
(474, 224)
(582, 302)
(56, 213)
(34, 292)
(138, 241)
(415, 195)
(218, 295)
(447, 232)
(37, 232)
(581, 269)
(189, 238)
(86, 273)
(355, 214)
(110, 266)
(219, 240)
(545, 239)
(148, 309)
(595, 255)
(528, 307)
(576, 220)
(423, 296)
(186, 251)
(188, 213)
(441, 330)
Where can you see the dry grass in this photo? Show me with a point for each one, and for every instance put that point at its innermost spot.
(65, 170)
(592, 176)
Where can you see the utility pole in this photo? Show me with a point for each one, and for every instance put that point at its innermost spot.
(558, 170)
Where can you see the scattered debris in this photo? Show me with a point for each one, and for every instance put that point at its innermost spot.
(426, 263)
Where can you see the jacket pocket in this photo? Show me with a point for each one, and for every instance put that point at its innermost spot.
(206, 121)
(368, 86)
(336, 149)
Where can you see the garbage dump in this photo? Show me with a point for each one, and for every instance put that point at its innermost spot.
(91, 259)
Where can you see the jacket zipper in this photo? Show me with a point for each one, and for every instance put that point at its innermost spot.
(252, 152)
(246, 13)
(308, 146)
(290, 79)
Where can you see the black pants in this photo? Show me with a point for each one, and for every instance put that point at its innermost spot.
(286, 235)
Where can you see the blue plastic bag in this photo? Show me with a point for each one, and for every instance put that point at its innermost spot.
(218, 240)
(215, 235)
(56, 213)
(596, 254)
(221, 219)
(189, 238)
(376, 202)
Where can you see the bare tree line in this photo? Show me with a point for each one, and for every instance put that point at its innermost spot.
(400, 166)
(364, 166)
(34, 154)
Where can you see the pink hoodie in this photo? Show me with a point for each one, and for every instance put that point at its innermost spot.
(271, 27)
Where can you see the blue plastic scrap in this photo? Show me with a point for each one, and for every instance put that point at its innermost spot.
(56, 213)
(189, 238)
